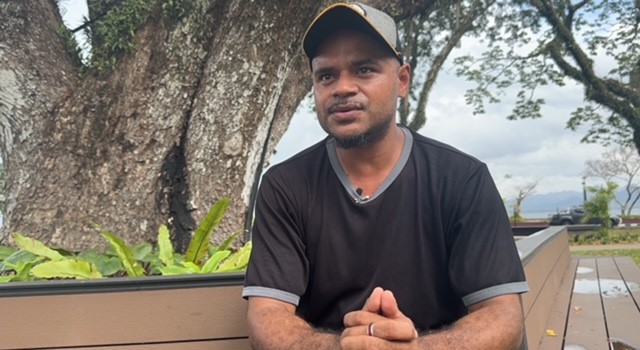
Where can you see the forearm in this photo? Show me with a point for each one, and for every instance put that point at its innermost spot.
(273, 328)
(496, 326)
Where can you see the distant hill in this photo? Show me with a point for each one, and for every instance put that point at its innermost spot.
(542, 205)
(548, 203)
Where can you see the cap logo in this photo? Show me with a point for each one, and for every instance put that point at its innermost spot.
(357, 8)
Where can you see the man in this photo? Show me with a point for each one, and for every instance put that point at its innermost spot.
(378, 237)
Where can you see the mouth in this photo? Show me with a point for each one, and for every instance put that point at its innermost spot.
(344, 111)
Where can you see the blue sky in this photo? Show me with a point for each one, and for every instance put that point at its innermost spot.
(528, 150)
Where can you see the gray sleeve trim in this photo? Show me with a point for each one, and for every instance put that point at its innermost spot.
(509, 288)
(271, 293)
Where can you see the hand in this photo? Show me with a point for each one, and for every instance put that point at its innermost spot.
(378, 323)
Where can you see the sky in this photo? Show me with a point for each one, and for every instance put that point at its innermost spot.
(516, 152)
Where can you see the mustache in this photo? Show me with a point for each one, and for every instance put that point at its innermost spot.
(342, 105)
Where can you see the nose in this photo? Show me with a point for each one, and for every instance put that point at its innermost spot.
(345, 86)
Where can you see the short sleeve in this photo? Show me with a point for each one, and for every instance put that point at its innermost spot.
(278, 267)
(483, 260)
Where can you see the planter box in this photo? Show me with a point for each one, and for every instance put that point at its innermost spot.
(165, 312)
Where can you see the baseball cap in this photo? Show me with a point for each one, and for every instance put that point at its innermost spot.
(352, 15)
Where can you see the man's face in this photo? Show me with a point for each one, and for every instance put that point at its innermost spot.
(356, 83)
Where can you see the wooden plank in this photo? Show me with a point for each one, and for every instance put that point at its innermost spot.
(232, 344)
(621, 312)
(586, 325)
(544, 272)
(557, 321)
(538, 269)
(631, 274)
(77, 320)
(536, 318)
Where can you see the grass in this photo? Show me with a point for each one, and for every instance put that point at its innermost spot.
(614, 236)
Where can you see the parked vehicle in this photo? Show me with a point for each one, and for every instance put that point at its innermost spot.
(574, 216)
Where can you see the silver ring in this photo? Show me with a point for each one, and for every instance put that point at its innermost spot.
(370, 329)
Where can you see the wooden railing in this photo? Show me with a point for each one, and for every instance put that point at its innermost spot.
(545, 257)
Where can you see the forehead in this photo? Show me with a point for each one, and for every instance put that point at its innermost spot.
(350, 43)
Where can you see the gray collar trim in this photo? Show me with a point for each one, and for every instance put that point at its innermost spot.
(344, 179)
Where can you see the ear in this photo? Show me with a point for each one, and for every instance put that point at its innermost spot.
(404, 80)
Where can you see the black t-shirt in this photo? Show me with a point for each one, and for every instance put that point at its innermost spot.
(435, 233)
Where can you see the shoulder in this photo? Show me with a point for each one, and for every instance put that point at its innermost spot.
(304, 162)
(441, 154)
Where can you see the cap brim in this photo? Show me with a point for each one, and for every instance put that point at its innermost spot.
(338, 17)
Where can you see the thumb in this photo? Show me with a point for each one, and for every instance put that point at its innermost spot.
(389, 305)
(373, 302)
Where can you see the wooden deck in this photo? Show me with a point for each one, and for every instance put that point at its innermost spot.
(597, 306)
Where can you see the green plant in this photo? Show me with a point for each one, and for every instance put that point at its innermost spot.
(112, 36)
(34, 260)
(598, 206)
(176, 9)
(71, 45)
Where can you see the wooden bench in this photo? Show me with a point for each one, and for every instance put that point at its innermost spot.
(600, 309)
(580, 302)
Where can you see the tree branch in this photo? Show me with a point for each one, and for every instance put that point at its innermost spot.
(420, 116)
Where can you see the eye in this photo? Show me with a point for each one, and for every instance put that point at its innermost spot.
(325, 77)
(365, 70)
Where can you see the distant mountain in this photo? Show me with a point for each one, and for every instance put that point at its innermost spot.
(542, 205)
(549, 203)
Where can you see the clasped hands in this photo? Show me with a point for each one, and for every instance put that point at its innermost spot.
(379, 325)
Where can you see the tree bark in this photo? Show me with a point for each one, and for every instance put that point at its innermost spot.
(184, 120)
(181, 122)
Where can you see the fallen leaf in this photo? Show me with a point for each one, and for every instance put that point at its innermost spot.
(551, 333)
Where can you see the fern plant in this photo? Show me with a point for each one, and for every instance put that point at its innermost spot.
(33, 260)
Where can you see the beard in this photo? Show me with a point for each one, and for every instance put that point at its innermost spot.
(375, 133)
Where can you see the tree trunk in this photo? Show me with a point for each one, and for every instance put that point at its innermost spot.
(185, 119)
(180, 123)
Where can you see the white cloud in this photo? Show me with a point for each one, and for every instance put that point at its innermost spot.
(528, 150)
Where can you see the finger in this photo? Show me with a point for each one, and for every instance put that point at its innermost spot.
(372, 304)
(355, 331)
(361, 318)
(392, 330)
(389, 305)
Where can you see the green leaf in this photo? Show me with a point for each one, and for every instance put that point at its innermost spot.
(36, 247)
(238, 261)
(69, 268)
(200, 242)
(225, 245)
(106, 264)
(165, 248)
(140, 251)
(5, 252)
(152, 263)
(4, 279)
(193, 267)
(18, 257)
(125, 255)
(215, 260)
(22, 270)
(175, 270)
